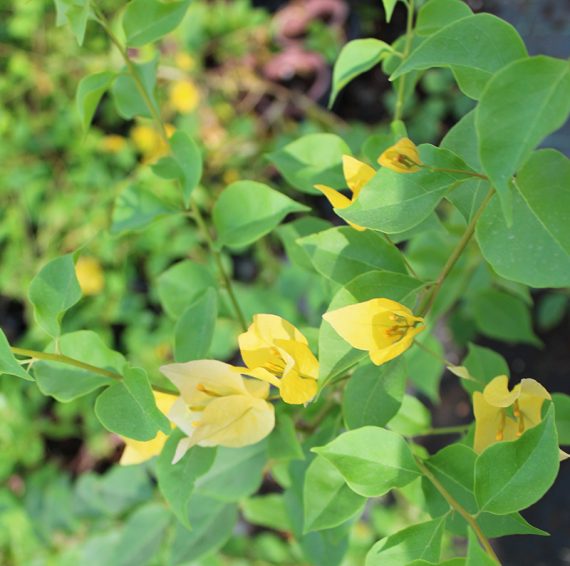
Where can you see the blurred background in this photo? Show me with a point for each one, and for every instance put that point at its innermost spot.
(245, 78)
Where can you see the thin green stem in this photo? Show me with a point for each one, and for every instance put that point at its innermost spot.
(447, 170)
(459, 508)
(430, 297)
(35, 355)
(406, 262)
(196, 212)
(407, 48)
(432, 353)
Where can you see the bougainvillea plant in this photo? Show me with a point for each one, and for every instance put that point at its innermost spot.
(324, 403)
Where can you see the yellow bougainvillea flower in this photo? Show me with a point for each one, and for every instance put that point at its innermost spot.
(402, 157)
(184, 61)
(501, 414)
(90, 275)
(149, 142)
(113, 143)
(357, 174)
(275, 351)
(135, 451)
(383, 327)
(184, 96)
(217, 406)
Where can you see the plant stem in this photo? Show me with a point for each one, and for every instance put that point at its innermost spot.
(457, 506)
(447, 170)
(430, 297)
(459, 429)
(407, 47)
(196, 212)
(33, 354)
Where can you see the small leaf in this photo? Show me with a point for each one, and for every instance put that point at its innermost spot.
(389, 6)
(146, 21)
(374, 394)
(129, 102)
(372, 460)
(341, 254)
(282, 443)
(53, 291)
(182, 284)
(128, 408)
(89, 93)
(527, 115)
(266, 511)
(510, 476)
(187, 156)
(8, 363)
(355, 58)
(562, 406)
(311, 160)
(412, 418)
(503, 316)
(195, 328)
(65, 382)
(328, 501)
(260, 210)
(418, 542)
(176, 481)
(136, 208)
(483, 365)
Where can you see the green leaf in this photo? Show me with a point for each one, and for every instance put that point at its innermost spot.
(267, 511)
(8, 363)
(527, 116)
(328, 501)
(357, 57)
(142, 536)
(419, 542)
(291, 232)
(389, 6)
(53, 291)
(195, 328)
(336, 355)
(311, 160)
(474, 47)
(535, 248)
(146, 21)
(128, 408)
(425, 369)
(213, 522)
(282, 443)
(89, 92)
(176, 481)
(181, 285)
(483, 364)
(495, 526)
(562, 406)
(503, 316)
(510, 476)
(76, 13)
(65, 382)
(436, 14)
(412, 418)
(129, 102)
(260, 208)
(372, 460)
(392, 202)
(188, 158)
(135, 208)
(476, 556)
(341, 254)
(374, 394)
(236, 473)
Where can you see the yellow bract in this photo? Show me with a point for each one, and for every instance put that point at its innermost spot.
(135, 451)
(90, 275)
(383, 327)
(113, 143)
(402, 157)
(276, 352)
(495, 421)
(217, 406)
(149, 142)
(184, 61)
(184, 96)
(357, 174)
